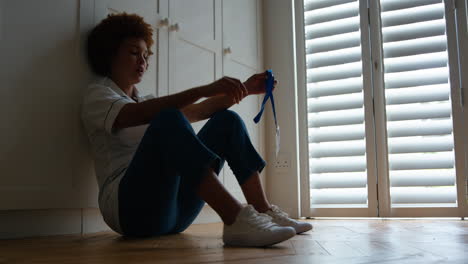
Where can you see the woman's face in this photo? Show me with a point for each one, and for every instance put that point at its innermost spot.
(131, 61)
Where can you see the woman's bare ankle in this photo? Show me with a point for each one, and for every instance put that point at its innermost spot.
(262, 209)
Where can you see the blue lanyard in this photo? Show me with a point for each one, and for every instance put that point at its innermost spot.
(270, 81)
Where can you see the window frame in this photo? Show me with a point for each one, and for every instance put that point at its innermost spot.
(374, 106)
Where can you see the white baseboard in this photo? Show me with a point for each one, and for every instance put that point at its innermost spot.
(207, 215)
(34, 223)
(93, 221)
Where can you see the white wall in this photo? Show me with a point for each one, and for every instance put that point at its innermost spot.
(46, 170)
(279, 55)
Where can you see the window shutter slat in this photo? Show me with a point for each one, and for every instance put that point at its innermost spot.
(337, 149)
(435, 196)
(421, 161)
(336, 133)
(347, 70)
(313, 5)
(339, 180)
(334, 57)
(338, 164)
(331, 13)
(335, 42)
(419, 94)
(419, 128)
(416, 62)
(336, 102)
(334, 87)
(326, 29)
(335, 118)
(410, 178)
(418, 144)
(415, 46)
(416, 78)
(414, 31)
(390, 5)
(345, 197)
(413, 15)
(418, 111)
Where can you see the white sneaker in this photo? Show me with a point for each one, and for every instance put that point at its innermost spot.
(281, 218)
(252, 229)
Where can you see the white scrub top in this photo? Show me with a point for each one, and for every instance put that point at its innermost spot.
(112, 149)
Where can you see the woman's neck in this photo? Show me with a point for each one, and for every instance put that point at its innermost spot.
(126, 87)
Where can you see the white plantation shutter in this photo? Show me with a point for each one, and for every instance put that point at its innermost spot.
(417, 88)
(337, 158)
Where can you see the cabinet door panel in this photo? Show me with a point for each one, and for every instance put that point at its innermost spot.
(192, 65)
(198, 22)
(148, 9)
(194, 50)
(240, 23)
(240, 32)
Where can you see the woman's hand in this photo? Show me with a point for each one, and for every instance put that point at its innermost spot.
(256, 83)
(226, 86)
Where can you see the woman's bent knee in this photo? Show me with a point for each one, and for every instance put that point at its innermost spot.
(168, 115)
(170, 119)
(227, 115)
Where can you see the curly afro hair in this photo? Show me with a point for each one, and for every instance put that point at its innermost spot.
(105, 39)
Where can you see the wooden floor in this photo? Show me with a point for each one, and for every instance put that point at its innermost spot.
(331, 241)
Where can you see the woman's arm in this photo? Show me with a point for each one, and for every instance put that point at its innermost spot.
(134, 114)
(204, 110)
(201, 111)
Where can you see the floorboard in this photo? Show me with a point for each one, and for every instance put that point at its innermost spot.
(331, 241)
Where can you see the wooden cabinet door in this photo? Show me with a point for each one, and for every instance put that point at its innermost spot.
(241, 36)
(195, 47)
(195, 56)
(242, 32)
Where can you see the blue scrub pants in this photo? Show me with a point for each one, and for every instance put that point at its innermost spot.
(157, 194)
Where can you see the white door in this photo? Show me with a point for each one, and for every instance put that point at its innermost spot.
(380, 87)
(195, 55)
(418, 75)
(242, 59)
(338, 118)
(194, 44)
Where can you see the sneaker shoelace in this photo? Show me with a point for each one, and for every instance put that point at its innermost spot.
(280, 215)
(262, 221)
(278, 211)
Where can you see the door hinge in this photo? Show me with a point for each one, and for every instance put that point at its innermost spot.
(373, 106)
(368, 15)
(462, 96)
(453, 4)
